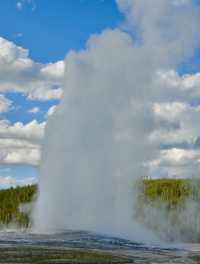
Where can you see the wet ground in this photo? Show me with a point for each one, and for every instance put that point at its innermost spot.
(84, 247)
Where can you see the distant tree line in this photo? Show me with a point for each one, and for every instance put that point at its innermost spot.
(172, 192)
(10, 202)
(161, 205)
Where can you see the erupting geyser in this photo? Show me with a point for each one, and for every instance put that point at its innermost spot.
(98, 140)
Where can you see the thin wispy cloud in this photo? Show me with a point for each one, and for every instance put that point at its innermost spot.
(31, 4)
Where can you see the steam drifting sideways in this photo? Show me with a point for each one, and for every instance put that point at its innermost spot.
(98, 140)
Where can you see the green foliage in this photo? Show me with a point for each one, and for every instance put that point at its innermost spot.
(173, 192)
(10, 202)
(171, 208)
(196, 259)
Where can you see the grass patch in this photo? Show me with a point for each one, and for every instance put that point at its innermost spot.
(196, 259)
(44, 255)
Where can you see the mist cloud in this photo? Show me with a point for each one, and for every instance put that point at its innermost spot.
(98, 141)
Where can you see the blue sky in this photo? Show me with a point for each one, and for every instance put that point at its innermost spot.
(48, 30)
(35, 36)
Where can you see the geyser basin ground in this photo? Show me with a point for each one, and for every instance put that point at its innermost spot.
(45, 255)
(84, 247)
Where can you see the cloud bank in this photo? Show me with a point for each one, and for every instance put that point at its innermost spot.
(21, 74)
(20, 143)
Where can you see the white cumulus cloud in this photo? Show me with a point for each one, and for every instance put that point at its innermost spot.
(21, 74)
(21, 143)
(5, 104)
(51, 110)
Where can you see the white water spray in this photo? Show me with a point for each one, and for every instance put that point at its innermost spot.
(97, 141)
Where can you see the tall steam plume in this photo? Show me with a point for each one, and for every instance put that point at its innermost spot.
(98, 140)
